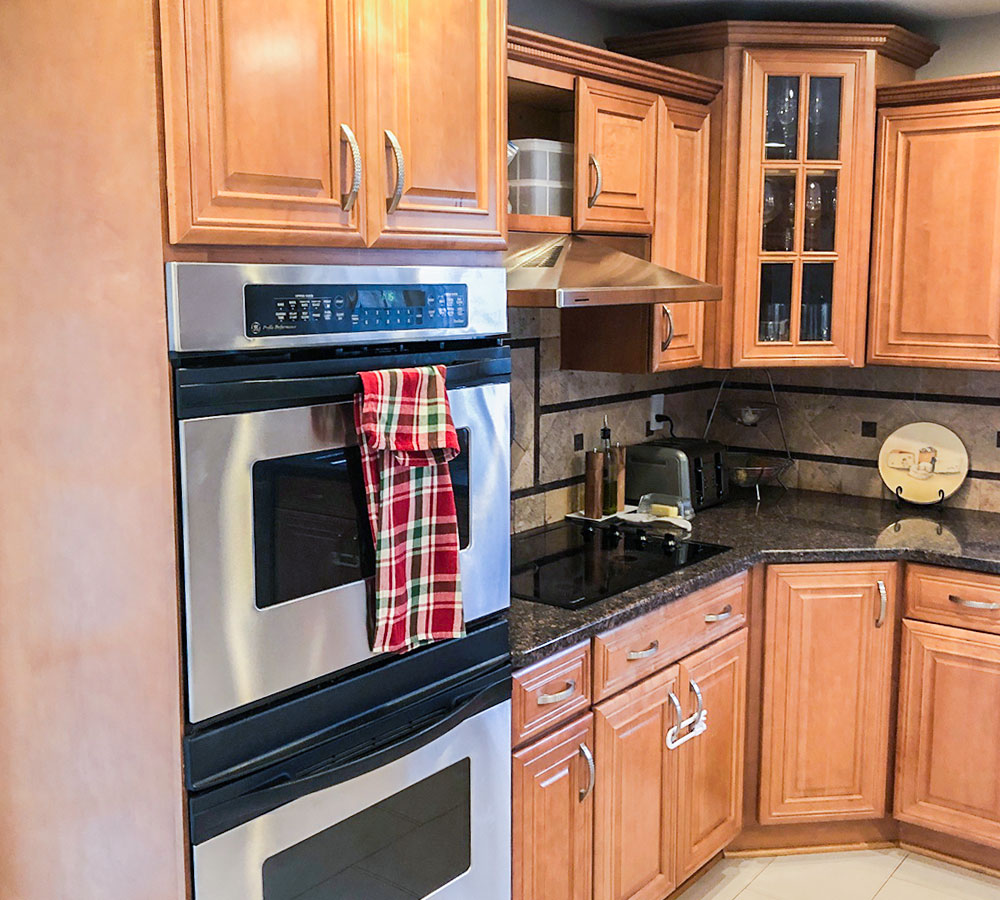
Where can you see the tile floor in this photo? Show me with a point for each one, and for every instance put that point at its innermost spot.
(857, 875)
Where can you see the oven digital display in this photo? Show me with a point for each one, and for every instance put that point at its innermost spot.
(273, 310)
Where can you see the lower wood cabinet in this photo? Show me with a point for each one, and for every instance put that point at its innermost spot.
(553, 783)
(828, 650)
(948, 764)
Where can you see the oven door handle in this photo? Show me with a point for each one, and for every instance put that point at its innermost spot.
(291, 785)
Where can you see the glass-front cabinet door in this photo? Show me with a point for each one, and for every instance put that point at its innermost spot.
(807, 135)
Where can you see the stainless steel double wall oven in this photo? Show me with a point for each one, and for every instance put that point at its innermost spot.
(316, 769)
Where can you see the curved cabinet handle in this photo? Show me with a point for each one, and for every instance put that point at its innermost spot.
(598, 182)
(883, 604)
(633, 655)
(666, 342)
(699, 721)
(727, 611)
(564, 694)
(392, 201)
(973, 604)
(348, 200)
(591, 771)
(699, 712)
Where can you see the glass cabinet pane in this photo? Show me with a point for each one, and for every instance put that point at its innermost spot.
(820, 204)
(775, 301)
(778, 211)
(824, 118)
(781, 131)
(817, 301)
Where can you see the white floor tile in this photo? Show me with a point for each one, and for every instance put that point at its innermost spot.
(952, 881)
(854, 875)
(726, 879)
(904, 890)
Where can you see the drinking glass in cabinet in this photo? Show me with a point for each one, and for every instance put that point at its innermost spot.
(817, 301)
(824, 118)
(778, 211)
(820, 205)
(781, 132)
(775, 301)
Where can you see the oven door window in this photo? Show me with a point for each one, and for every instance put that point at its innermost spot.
(403, 848)
(311, 530)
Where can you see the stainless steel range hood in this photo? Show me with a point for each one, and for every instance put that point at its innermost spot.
(568, 270)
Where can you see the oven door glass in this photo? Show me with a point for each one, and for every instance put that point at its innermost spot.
(277, 549)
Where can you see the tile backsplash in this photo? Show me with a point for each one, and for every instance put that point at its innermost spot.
(835, 419)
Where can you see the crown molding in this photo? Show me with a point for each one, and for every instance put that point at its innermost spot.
(580, 59)
(941, 90)
(891, 41)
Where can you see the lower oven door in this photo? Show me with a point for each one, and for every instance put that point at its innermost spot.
(433, 822)
(277, 546)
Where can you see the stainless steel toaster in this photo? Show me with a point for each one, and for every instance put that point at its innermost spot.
(689, 468)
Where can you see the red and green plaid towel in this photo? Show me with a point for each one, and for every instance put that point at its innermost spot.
(407, 438)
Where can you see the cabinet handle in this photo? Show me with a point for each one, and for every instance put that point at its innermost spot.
(564, 694)
(633, 655)
(392, 201)
(598, 182)
(591, 771)
(348, 200)
(687, 723)
(665, 344)
(883, 604)
(698, 721)
(973, 604)
(727, 611)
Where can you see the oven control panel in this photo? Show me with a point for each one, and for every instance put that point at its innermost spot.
(292, 309)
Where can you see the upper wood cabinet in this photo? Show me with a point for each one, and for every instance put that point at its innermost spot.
(935, 286)
(615, 169)
(297, 122)
(948, 763)
(792, 174)
(828, 646)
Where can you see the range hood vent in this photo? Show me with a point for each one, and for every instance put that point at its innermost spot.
(568, 270)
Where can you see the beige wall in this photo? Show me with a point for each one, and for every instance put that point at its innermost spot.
(967, 46)
(90, 718)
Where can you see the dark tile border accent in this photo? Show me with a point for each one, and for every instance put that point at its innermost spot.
(545, 488)
(864, 392)
(611, 399)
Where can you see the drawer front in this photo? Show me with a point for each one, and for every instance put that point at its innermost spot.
(632, 651)
(953, 597)
(550, 692)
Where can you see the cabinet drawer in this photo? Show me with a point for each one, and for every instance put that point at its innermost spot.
(632, 651)
(953, 597)
(550, 692)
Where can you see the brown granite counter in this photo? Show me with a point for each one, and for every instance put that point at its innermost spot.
(787, 526)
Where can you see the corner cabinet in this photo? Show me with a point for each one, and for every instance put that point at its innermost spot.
(935, 287)
(332, 122)
(792, 151)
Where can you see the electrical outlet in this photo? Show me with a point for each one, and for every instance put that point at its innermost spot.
(869, 429)
(577, 441)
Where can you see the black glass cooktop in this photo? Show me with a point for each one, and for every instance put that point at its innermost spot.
(572, 565)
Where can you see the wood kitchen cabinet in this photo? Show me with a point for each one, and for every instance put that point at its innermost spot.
(553, 782)
(792, 154)
(935, 280)
(828, 653)
(334, 123)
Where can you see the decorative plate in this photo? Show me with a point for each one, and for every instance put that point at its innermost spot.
(923, 462)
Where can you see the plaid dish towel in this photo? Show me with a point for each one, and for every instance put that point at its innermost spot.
(407, 438)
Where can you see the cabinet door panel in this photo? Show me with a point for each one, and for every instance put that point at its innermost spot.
(710, 766)
(438, 66)
(255, 97)
(553, 825)
(948, 767)
(616, 136)
(937, 235)
(827, 680)
(636, 784)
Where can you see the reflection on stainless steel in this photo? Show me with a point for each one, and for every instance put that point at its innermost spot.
(562, 270)
(237, 652)
(229, 866)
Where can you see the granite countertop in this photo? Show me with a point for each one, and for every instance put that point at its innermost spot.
(787, 526)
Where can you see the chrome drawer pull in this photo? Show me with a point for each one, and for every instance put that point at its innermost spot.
(633, 655)
(564, 694)
(727, 611)
(348, 200)
(883, 604)
(392, 201)
(599, 182)
(973, 604)
(591, 769)
(698, 722)
(666, 342)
